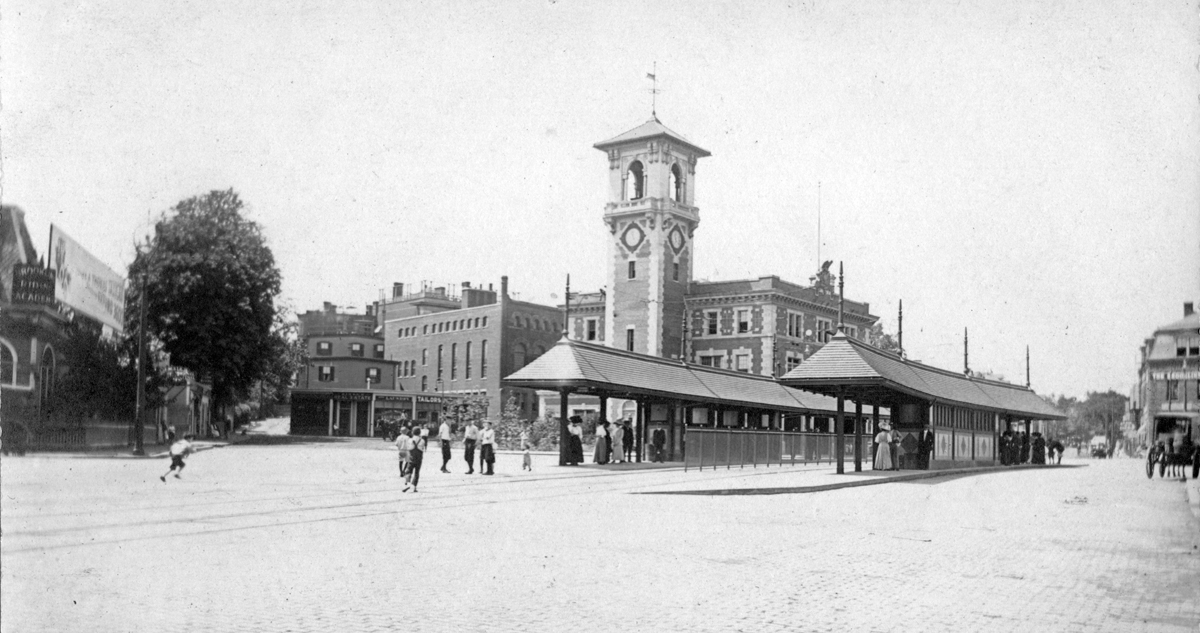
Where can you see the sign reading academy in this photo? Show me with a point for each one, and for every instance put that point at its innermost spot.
(84, 283)
(33, 285)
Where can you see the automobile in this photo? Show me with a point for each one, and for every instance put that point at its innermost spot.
(1099, 451)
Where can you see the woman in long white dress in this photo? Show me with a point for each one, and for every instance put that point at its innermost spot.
(883, 450)
(616, 437)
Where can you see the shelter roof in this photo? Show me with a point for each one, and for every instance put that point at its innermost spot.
(648, 130)
(589, 368)
(873, 375)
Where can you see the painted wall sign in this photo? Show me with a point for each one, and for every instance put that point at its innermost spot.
(33, 284)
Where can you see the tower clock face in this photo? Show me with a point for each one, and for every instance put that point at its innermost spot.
(676, 240)
(632, 237)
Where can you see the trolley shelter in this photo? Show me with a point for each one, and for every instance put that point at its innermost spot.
(966, 414)
(725, 414)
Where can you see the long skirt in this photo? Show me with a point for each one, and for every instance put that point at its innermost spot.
(601, 454)
(574, 449)
(883, 457)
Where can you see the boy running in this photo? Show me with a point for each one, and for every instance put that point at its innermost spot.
(178, 451)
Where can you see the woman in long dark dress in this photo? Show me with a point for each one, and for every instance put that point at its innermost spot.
(600, 456)
(575, 440)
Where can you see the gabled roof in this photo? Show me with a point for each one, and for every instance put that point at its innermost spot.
(650, 129)
(852, 366)
(590, 368)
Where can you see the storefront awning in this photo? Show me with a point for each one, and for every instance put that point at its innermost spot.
(870, 375)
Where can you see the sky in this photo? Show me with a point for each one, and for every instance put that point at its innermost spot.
(1028, 171)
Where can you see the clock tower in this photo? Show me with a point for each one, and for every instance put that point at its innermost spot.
(651, 217)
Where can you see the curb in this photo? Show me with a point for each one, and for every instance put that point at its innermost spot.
(927, 474)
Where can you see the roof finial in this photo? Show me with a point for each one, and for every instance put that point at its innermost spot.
(652, 76)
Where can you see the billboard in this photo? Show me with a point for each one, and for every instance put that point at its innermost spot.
(84, 283)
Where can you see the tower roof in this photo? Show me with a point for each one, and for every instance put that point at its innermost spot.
(648, 130)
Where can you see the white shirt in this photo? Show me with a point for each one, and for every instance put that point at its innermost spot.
(487, 436)
(181, 447)
(472, 432)
(444, 432)
(574, 429)
(404, 444)
(600, 432)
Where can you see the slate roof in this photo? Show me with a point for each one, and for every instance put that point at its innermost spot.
(602, 369)
(844, 362)
(650, 129)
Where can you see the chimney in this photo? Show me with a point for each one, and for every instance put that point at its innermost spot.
(466, 285)
(328, 307)
(1188, 308)
(504, 286)
(489, 287)
(397, 290)
(440, 291)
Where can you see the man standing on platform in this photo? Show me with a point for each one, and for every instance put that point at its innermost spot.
(925, 446)
(470, 436)
(445, 436)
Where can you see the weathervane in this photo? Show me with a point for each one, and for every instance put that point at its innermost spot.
(652, 76)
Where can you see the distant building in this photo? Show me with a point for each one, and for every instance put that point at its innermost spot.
(1167, 396)
(462, 346)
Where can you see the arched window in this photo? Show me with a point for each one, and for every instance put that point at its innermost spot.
(518, 356)
(8, 364)
(47, 372)
(439, 362)
(635, 181)
(454, 361)
(424, 383)
(676, 183)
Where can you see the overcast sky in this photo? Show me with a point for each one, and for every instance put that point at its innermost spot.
(1030, 171)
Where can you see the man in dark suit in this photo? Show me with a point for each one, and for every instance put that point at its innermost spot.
(924, 448)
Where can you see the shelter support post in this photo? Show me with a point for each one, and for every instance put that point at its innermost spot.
(639, 434)
(874, 426)
(840, 447)
(563, 444)
(603, 407)
(858, 427)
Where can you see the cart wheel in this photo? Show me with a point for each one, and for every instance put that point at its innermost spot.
(1162, 468)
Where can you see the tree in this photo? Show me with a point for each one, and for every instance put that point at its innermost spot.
(468, 409)
(884, 341)
(510, 425)
(211, 284)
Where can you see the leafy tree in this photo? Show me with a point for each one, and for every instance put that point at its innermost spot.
(543, 433)
(884, 341)
(510, 425)
(466, 410)
(211, 284)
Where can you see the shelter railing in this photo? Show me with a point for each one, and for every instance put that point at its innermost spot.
(727, 448)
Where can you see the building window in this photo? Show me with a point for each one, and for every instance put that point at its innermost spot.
(709, 360)
(8, 365)
(424, 357)
(743, 321)
(633, 270)
(713, 318)
(635, 181)
(484, 321)
(424, 383)
(425, 329)
(454, 361)
(483, 358)
(325, 373)
(795, 327)
(467, 362)
(824, 330)
(439, 363)
(324, 348)
(675, 271)
(518, 356)
(743, 362)
(591, 329)
(373, 375)
(676, 183)
(1172, 390)
(851, 331)
(356, 350)
(379, 350)
(793, 360)
(629, 339)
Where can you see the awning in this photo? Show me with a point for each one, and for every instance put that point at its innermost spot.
(871, 375)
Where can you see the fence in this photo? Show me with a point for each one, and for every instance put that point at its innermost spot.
(742, 447)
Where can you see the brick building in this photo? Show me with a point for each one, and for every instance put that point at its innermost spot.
(463, 345)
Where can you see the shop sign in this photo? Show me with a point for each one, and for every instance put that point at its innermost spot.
(33, 284)
(433, 399)
(393, 398)
(344, 395)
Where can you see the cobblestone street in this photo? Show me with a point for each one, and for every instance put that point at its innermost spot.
(318, 537)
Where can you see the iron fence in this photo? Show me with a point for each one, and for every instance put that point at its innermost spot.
(744, 447)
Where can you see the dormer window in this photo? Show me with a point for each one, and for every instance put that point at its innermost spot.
(676, 184)
(635, 181)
